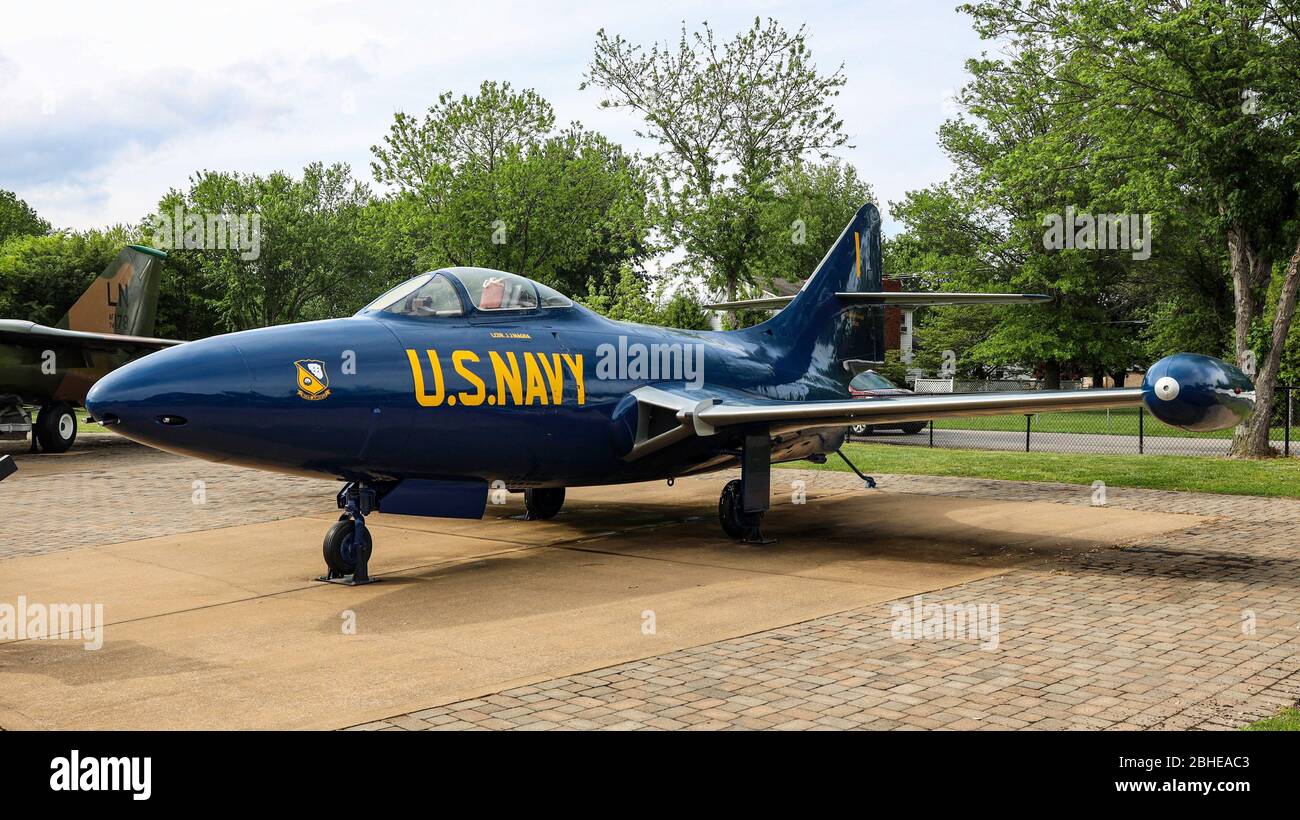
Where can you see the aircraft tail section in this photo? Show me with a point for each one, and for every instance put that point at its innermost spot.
(124, 298)
(827, 338)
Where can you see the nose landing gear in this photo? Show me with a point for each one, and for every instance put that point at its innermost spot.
(347, 543)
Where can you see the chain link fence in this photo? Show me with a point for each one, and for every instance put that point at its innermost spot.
(1127, 431)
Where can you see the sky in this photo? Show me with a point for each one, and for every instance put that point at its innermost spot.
(105, 106)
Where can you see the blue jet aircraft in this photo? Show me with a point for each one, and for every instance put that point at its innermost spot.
(463, 380)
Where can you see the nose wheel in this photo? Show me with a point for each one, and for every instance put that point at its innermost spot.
(347, 544)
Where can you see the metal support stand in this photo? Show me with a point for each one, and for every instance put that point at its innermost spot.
(870, 482)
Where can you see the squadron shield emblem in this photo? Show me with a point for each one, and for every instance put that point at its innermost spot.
(313, 381)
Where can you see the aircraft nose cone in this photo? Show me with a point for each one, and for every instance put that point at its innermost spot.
(158, 399)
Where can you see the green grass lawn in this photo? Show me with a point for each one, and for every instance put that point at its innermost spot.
(1122, 422)
(1279, 477)
(1287, 720)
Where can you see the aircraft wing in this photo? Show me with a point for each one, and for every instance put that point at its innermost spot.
(30, 334)
(905, 408)
(666, 416)
(894, 299)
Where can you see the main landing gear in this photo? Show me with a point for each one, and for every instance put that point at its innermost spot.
(744, 500)
(542, 503)
(347, 544)
(56, 427)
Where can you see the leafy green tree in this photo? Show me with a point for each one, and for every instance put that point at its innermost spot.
(488, 180)
(729, 118)
(632, 300)
(41, 276)
(17, 218)
(312, 259)
(810, 204)
(1193, 101)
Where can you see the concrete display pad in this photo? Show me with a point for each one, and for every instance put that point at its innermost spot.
(224, 629)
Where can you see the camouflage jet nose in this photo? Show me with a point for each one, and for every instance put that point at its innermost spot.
(187, 399)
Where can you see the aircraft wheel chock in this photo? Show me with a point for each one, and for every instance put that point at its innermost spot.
(735, 521)
(543, 503)
(56, 427)
(340, 549)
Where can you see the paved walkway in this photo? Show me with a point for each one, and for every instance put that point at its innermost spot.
(1198, 629)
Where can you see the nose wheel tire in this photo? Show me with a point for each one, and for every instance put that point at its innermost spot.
(56, 427)
(860, 429)
(741, 525)
(341, 548)
(543, 503)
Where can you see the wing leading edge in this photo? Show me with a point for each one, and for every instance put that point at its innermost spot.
(29, 333)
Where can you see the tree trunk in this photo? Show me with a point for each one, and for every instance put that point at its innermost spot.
(1052, 375)
(1098, 377)
(1252, 438)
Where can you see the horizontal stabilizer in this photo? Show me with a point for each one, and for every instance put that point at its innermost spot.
(895, 299)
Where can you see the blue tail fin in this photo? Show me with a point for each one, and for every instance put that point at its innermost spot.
(820, 335)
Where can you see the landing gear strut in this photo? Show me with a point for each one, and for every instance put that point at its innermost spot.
(743, 501)
(347, 543)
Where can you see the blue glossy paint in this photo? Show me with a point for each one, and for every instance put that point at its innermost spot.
(241, 404)
(1209, 394)
(252, 398)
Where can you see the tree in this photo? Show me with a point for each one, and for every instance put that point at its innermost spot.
(1197, 98)
(1017, 167)
(488, 180)
(42, 276)
(810, 204)
(311, 260)
(631, 300)
(17, 218)
(729, 118)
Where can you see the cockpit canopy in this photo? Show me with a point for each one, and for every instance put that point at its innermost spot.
(442, 293)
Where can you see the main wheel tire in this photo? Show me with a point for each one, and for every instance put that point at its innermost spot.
(543, 503)
(56, 427)
(913, 428)
(859, 429)
(731, 512)
(340, 547)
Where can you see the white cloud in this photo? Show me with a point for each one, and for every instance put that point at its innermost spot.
(101, 113)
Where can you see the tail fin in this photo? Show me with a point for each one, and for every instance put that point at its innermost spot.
(124, 298)
(820, 333)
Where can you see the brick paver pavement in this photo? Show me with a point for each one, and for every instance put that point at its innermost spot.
(125, 492)
(1196, 629)
(1199, 628)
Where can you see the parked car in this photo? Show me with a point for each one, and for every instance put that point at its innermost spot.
(869, 385)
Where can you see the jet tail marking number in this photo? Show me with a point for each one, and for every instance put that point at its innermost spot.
(520, 380)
